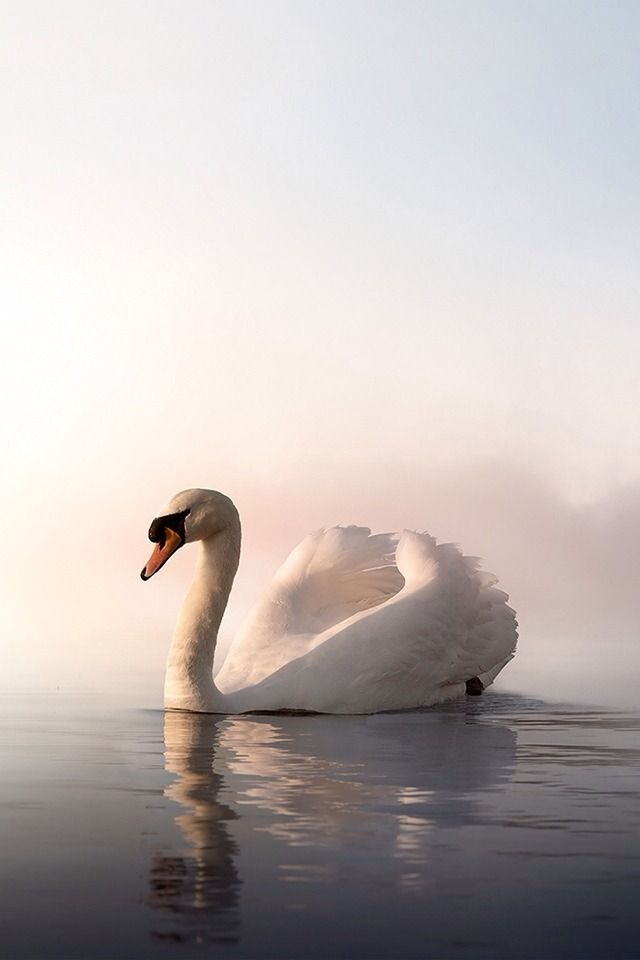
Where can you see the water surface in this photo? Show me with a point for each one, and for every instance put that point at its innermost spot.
(492, 827)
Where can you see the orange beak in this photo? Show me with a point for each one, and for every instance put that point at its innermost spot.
(161, 552)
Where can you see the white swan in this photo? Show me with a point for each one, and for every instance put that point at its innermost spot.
(351, 623)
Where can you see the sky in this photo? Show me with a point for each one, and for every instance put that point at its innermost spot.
(348, 262)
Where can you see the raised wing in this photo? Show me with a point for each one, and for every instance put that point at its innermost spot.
(447, 624)
(330, 576)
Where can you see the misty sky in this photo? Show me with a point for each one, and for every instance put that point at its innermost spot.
(345, 261)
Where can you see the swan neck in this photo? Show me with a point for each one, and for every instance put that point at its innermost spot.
(189, 677)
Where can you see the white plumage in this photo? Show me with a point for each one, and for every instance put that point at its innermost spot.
(351, 623)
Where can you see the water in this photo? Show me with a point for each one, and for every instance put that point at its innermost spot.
(493, 827)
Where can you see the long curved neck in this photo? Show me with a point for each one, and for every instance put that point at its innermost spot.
(189, 677)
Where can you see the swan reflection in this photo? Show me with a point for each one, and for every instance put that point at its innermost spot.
(316, 800)
(200, 882)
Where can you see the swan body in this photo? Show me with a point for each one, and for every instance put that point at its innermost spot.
(351, 623)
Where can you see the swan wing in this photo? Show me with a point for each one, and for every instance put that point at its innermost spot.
(448, 623)
(330, 576)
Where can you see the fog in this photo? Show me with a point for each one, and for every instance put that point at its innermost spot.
(348, 263)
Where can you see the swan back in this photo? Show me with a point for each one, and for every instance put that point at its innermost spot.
(416, 646)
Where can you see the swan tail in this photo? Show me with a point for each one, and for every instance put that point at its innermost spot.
(493, 632)
(485, 627)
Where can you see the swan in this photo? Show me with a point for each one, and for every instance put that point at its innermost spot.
(352, 623)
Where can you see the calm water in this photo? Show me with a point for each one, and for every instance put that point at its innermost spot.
(493, 827)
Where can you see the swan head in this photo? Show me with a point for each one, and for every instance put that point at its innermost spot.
(189, 516)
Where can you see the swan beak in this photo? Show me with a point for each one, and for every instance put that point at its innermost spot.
(161, 552)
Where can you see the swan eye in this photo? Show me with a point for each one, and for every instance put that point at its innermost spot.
(171, 521)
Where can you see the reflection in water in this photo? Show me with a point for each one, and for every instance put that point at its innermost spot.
(320, 791)
(490, 828)
(201, 883)
(315, 775)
